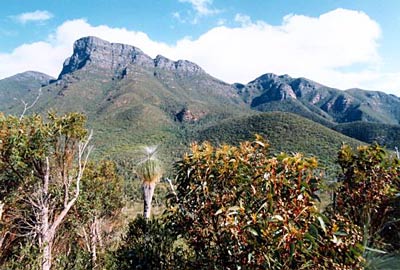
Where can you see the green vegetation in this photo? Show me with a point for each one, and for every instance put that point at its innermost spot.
(21, 88)
(232, 206)
(368, 194)
(43, 178)
(286, 132)
(247, 208)
(383, 134)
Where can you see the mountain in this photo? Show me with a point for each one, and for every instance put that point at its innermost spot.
(132, 99)
(22, 87)
(320, 103)
(115, 76)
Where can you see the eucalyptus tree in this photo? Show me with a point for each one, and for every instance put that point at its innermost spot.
(42, 162)
(100, 203)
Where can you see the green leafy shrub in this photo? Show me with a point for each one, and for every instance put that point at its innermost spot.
(369, 184)
(150, 244)
(242, 207)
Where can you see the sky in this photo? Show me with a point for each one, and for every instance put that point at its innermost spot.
(339, 43)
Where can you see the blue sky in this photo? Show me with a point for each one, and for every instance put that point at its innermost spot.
(342, 43)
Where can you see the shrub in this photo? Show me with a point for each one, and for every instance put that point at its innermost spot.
(242, 207)
(149, 244)
(369, 183)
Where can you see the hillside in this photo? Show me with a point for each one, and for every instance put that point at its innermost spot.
(132, 99)
(285, 132)
(23, 87)
(383, 134)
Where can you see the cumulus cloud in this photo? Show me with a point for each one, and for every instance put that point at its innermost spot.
(202, 7)
(35, 16)
(313, 47)
(338, 48)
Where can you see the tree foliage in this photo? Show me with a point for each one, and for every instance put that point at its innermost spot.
(368, 194)
(42, 163)
(151, 244)
(240, 206)
(233, 207)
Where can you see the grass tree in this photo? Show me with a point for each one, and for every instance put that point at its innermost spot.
(149, 170)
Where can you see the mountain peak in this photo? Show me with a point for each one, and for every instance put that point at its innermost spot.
(103, 55)
(115, 58)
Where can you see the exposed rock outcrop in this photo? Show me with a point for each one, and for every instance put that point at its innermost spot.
(119, 59)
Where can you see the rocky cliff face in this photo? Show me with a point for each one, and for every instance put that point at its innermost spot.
(119, 59)
(119, 74)
(313, 98)
(182, 66)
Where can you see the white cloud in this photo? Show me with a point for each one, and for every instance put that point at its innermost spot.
(221, 22)
(202, 7)
(244, 20)
(35, 16)
(316, 48)
(320, 48)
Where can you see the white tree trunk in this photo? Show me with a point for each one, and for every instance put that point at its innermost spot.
(94, 231)
(44, 207)
(47, 254)
(148, 192)
(45, 237)
(1, 209)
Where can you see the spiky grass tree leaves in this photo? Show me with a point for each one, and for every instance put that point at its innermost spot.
(242, 207)
(149, 170)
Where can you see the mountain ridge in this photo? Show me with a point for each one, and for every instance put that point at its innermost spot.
(133, 99)
(334, 105)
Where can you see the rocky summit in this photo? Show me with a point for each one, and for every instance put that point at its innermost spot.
(119, 59)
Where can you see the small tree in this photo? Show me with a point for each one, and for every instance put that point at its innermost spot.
(43, 163)
(100, 201)
(149, 170)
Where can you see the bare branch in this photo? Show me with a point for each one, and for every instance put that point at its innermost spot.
(172, 187)
(1, 210)
(3, 237)
(27, 107)
(81, 167)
